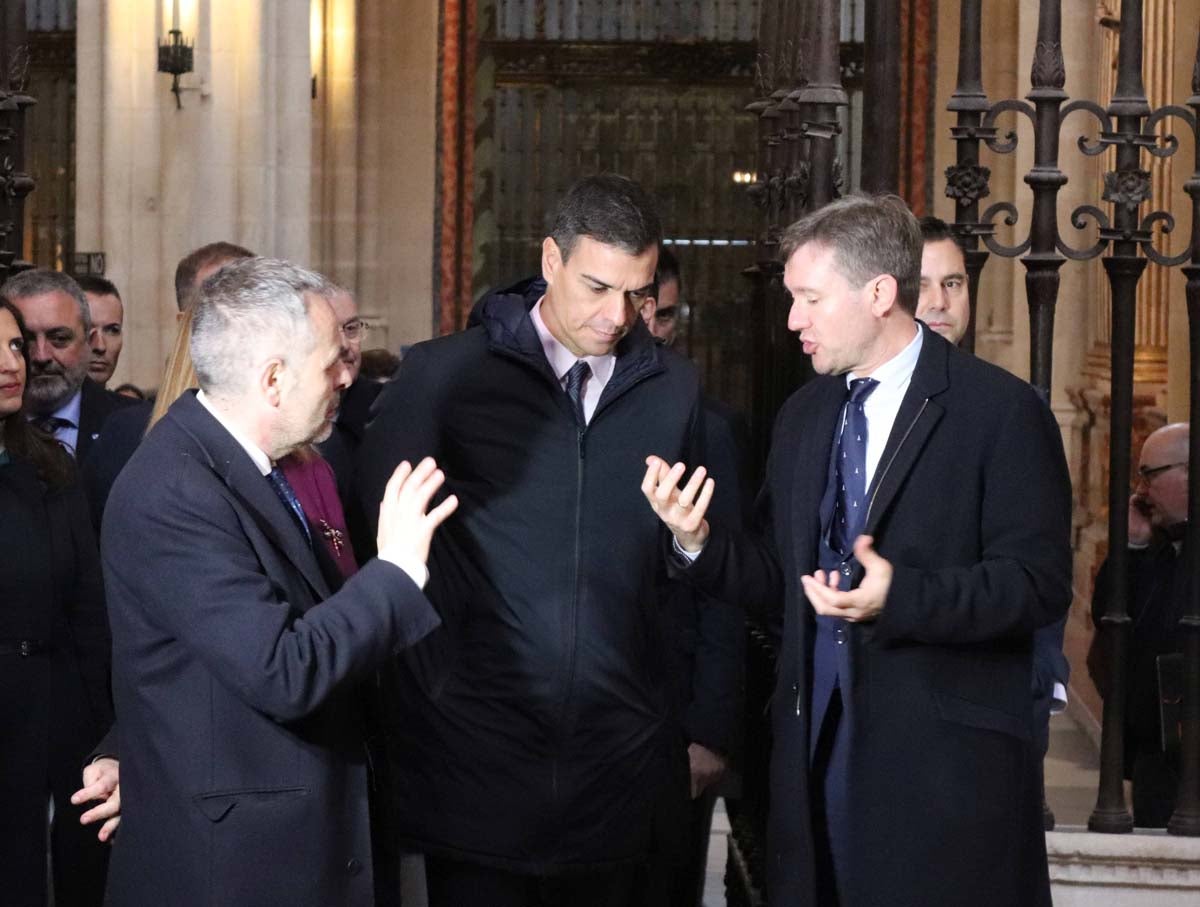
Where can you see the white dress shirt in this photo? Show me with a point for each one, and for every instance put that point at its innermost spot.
(416, 570)
(562, 359)
(881, 408)
(883, 404)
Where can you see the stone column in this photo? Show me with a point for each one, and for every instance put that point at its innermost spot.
(375, 142)
(154, 181)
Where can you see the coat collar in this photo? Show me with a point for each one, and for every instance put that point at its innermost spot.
(919, 413)
(225, 457)
(505, 317)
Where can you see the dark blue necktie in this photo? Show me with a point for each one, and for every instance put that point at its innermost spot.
(850, 511)
(575, 378)
(287, 494)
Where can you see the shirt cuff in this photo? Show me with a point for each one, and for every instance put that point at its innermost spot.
(688, 556)
(1058, 699)
(416, 570)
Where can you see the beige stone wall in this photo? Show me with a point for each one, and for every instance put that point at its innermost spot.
(154, 182)
(374, 141)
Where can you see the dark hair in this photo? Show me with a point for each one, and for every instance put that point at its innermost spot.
(869, 235)
(379, 364)
(26, 441)
(129, 389)
(192, 263)
(934, 229)
(99, 286)
(667, 270)
(611, 209)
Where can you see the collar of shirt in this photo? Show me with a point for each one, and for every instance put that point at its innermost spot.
(881, 407)
(261, 460)
(70, 410)
(561, 359)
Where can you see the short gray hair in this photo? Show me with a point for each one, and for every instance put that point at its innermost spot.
(869, 235)
(42, 280)
(249, 309)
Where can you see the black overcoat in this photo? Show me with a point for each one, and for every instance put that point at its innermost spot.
(536, 735)
(54, 702)
(971, 504)
(243, 766)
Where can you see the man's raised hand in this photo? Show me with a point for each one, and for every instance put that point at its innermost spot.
(405, 529)
(681, 509)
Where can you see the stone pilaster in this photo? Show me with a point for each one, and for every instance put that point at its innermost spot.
(154, 181)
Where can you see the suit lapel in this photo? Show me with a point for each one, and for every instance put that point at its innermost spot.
(91, 402)
(915, 421)
(810, 469)
(252, 489)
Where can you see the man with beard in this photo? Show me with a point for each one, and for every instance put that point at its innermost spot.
(58, 398)
(1157, 593)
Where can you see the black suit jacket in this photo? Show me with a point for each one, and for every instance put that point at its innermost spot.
(243, 775)
(95, 407)
(971, 505)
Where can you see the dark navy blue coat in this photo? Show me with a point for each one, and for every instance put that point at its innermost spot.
(241, 739)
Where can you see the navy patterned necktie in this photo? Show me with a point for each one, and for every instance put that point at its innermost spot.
(575, 378)
(52, 424)
(850, 511)
(287, 494)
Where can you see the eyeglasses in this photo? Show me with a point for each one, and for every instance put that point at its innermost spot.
(354, 329)
(1147, 473)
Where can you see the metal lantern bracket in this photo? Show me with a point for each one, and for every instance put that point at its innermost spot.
(176, 58)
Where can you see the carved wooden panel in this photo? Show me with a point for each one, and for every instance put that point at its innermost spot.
(50, 127)
(627, 20)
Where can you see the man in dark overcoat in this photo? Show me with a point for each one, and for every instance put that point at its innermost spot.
(529, 753)
(916, 520)
(243, 769)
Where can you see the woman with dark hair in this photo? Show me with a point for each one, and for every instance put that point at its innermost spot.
(54, 652)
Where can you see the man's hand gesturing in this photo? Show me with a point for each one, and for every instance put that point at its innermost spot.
(682, 510)
(405, 529)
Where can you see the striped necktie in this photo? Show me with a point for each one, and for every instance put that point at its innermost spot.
(575, 378)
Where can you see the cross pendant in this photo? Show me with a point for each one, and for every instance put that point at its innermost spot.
(335, 536)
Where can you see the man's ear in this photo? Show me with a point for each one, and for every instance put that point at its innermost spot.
(270, 381)
(884, 294)
(551, 259)
(647, 309)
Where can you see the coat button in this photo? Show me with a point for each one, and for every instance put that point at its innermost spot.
(353, 866)
(840, 635)
(846, 571)
(795, 688)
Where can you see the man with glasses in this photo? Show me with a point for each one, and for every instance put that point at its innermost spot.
(1156, 596)
(355, 408)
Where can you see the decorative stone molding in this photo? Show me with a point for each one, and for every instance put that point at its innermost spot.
(1146, 869)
